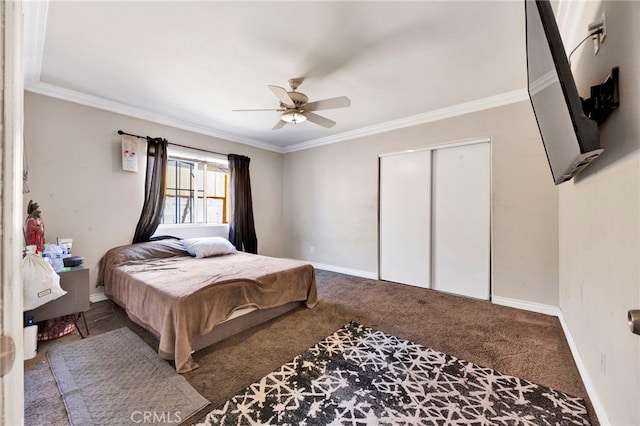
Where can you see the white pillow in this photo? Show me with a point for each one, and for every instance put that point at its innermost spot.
(209, 246)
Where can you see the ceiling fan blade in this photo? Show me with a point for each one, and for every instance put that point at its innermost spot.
(320, 120)
(339, 102)
(283, 96)
(244, 110)
(279, 125)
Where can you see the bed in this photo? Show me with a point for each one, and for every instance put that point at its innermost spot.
(189, 302)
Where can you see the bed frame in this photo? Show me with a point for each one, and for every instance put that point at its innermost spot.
(240, 321)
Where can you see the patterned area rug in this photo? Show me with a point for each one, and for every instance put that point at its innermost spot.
(359, 375)
(115, 378)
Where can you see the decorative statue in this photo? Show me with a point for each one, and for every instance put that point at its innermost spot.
(34, 226)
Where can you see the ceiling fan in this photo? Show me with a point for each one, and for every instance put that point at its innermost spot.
(296, 108)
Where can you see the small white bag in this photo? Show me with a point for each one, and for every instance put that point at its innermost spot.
(41, 283)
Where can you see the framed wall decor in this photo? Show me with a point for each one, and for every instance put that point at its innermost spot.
(129, 154)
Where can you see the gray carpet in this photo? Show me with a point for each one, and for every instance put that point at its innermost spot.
(359, 375)
(117, 379)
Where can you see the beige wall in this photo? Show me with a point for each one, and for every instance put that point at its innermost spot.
(76, 176)
(600, 224)
(331, 199)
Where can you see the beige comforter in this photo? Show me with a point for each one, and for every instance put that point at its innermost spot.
(179, 297)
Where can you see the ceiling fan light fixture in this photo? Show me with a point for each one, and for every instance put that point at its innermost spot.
(293, 117)
(296, 108)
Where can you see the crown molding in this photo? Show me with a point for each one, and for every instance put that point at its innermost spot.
(130, 111)
(546, 80)
(435, 115)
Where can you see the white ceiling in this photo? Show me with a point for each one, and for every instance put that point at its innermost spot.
(189, 64)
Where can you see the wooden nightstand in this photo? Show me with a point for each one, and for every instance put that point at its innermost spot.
(76, 283)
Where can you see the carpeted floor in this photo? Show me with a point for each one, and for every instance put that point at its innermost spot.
(523, 344)
(360, 375)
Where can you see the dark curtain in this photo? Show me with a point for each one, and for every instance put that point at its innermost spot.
(242, 231)
(154, 187)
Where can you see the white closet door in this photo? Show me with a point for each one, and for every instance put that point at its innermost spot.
(405, 217)
(461, 220)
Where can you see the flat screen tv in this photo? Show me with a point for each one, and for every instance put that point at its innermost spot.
(571, 139)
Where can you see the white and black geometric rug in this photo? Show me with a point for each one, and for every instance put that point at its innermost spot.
(359, 375)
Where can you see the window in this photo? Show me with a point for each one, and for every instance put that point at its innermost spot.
(196, 191)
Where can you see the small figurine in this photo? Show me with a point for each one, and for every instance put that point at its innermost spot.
(34, 226)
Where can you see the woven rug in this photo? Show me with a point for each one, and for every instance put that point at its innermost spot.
(359, 375)
(115, 378)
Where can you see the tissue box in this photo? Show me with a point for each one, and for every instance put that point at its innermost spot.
(71, 261)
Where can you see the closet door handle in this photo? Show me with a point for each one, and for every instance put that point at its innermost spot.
(634, 321)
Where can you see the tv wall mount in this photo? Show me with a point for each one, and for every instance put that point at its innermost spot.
(605, 98)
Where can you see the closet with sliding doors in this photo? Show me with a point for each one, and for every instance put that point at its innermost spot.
(435, 221)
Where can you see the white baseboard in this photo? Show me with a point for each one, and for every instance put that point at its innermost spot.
(582, 369)
(97, 297)
(586, 378)
(346, 271)
(526, 306)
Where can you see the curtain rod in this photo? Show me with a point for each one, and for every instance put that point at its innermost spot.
(120, 132)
